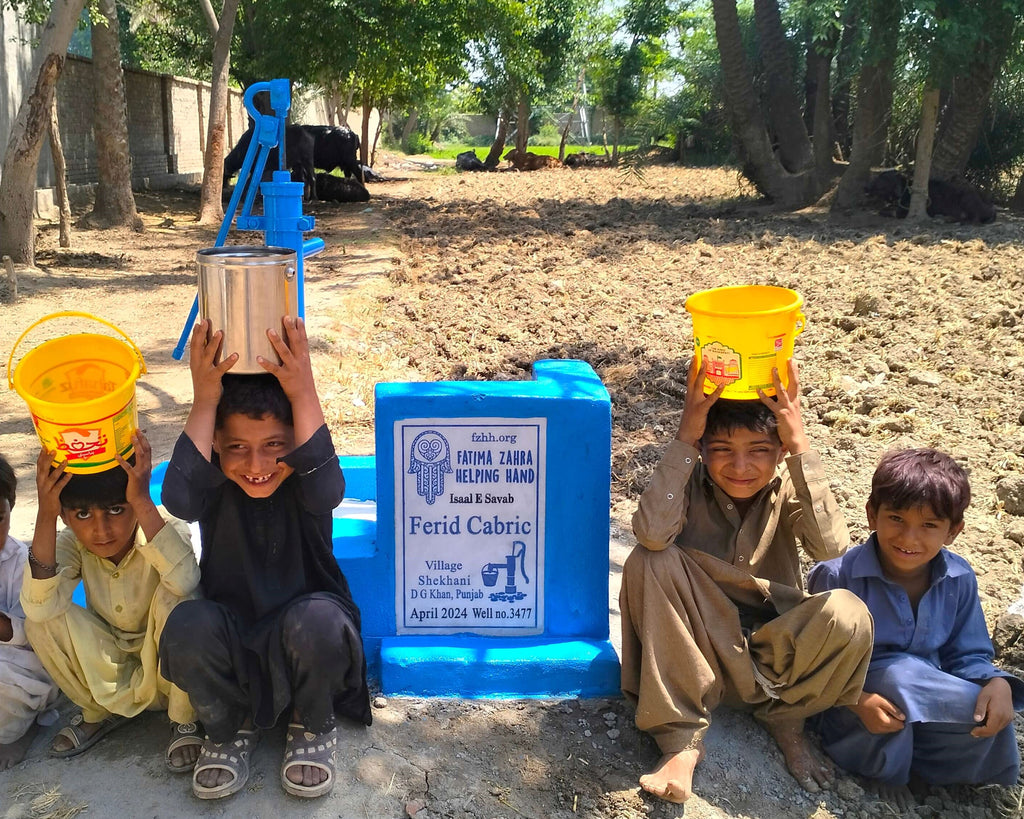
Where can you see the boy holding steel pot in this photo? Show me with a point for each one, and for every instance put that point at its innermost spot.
(278, 633)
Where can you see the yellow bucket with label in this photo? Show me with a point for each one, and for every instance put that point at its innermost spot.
(80, 390)
(742, 332)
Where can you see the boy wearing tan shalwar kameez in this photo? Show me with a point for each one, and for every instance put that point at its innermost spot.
(713, 607)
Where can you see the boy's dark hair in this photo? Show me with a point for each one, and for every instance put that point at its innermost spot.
(728, 414)
(96, 490)
(8, 482)
(911, 478)
(253, 396)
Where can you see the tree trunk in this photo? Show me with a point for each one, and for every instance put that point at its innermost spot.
(494, 155)
(961, 123)
(616, 130)
(572, 112)
(332, 101)
(376, 139)
(784, 118)
(18, 183)
(211, 207)
(822, 124)
(923, 157)
(845, 59)
(760, 164)
(565, 132)
(60, 181)
(115, 203)
(1017, 202)
(523, 124)
(409, 127)
(874, 104)
(364, 135)
(348, 106)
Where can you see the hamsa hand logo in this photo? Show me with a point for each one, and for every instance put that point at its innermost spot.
(430, 460)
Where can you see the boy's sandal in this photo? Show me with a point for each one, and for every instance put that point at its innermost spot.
(79, 739)
(232, 756)
(315, 750)
(183, 734)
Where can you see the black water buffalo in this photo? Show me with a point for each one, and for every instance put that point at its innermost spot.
(340, 188)
(959, 200)
(335, 147)
(469, 161)
(890, 188)
(954, 199)
(299, 148)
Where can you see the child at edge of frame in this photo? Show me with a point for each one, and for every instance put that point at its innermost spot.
(713, 606)
(27, 693)
(278, 631)
(136, 564)
(934, 706)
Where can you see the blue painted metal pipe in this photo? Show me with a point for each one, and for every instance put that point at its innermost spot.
(283, 221)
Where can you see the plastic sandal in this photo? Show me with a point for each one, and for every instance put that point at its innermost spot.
(182, 735)
(80, 741)
(316, 750)
(231, 756)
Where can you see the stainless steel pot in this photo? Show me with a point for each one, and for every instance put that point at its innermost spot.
(245, 291)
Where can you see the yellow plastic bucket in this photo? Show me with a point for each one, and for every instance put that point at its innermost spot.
(742, 332)
(80, 390)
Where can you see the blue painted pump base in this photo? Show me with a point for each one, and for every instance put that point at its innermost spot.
(469, 666)
(570, 654)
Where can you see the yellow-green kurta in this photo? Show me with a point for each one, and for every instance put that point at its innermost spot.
(104, 657)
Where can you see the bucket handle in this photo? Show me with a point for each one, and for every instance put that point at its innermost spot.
(801, 323)
(77, 314)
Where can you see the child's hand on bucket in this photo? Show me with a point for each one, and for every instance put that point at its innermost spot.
(202, 361)
(50, 480)
(696, 405)
(295, 372)
(786, 408)
(139, 473)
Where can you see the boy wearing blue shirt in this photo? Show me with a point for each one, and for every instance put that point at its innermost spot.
(933, 705)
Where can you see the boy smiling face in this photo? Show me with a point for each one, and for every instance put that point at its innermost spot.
(741, 461)
(248, 449)
(908, 539)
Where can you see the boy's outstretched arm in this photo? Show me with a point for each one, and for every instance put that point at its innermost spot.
(295, 373)
(206, 385)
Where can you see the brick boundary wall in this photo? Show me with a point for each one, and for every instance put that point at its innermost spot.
(167, 120)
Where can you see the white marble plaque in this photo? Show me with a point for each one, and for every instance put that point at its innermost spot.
(469, 525)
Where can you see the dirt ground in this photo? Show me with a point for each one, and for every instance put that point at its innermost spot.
(915, 336)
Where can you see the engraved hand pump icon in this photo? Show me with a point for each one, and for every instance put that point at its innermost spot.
(489, 573)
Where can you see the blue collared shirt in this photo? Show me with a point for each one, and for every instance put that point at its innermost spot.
(949, 630)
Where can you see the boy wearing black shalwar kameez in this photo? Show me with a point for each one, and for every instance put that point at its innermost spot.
(278, 628)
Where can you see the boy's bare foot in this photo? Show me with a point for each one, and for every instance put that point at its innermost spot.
(898, 795)
(805, 763)
(12, 753)
(672, 779)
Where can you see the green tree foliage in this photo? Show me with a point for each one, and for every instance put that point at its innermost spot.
(529, 51)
